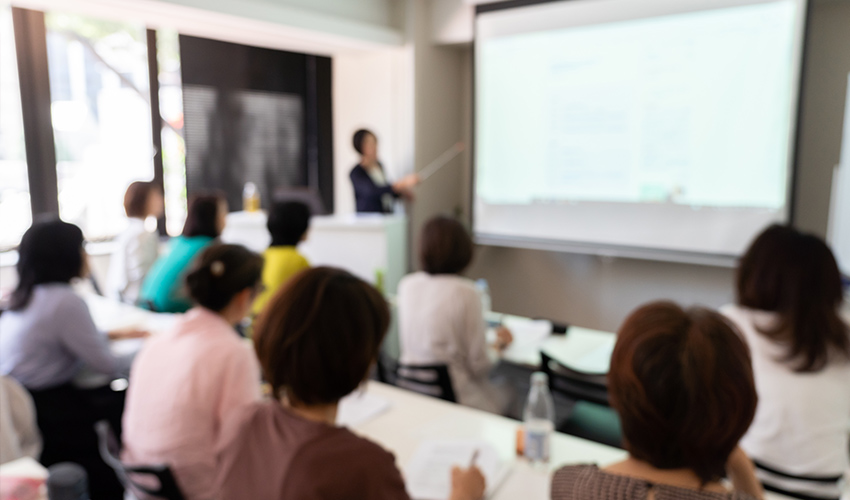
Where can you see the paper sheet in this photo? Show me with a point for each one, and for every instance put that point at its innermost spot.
(360, 407)
(528, 336)
(428, 474)
(596, 361)
(23, 467)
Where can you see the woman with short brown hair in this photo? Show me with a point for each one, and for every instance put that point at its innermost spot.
(789, 295)
(441, 320)
(316, 341)
(682, 384)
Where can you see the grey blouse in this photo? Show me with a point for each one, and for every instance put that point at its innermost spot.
(587, 482)
(45, 344)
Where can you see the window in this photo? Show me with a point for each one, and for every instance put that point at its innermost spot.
(100, 106)
(15, 210)
(173, 145)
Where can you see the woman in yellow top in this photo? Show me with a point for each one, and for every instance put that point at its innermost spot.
(288, 223)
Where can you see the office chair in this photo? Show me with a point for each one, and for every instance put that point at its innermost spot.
(591, 416)
(108, 445)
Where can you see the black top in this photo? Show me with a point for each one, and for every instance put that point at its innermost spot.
(367, 195)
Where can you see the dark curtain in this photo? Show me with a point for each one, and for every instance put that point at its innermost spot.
(256, 115)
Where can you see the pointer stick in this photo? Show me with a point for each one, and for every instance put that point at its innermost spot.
(441, 161)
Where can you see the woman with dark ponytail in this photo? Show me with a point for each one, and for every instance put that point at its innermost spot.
(46, 337)
(185, 382)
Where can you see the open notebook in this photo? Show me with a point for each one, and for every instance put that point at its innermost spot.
(428, 473)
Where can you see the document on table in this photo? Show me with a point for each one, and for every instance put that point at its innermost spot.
(359, 407)
(428, 475)
(528, 334)
(596, 361)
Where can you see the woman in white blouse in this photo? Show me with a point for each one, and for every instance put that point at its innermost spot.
(789, 295)
(441, 319)
(137, 247)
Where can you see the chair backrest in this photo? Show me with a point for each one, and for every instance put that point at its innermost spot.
(385, 369)
(574, 384)
(161, 474)
(431, 380)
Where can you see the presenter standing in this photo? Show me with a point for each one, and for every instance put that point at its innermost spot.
(372, 192)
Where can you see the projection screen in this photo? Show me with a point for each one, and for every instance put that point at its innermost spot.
(651, 128)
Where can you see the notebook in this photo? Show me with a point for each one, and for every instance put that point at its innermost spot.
(428, 473)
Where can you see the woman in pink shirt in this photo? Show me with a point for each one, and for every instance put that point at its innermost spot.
(184, 383)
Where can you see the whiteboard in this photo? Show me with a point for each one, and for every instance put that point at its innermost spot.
(839, 217)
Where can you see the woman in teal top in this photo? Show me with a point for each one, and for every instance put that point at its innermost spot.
(163, 289)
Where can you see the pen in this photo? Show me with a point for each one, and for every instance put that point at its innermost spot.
(474, 456)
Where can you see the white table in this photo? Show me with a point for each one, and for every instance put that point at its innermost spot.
(582, 349)
(414, 419)
(109, 314)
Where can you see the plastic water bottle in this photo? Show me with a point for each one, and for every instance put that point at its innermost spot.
(484, 291)
(250, 197)
(539, 419)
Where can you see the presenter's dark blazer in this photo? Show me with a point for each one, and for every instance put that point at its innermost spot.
(367, 195)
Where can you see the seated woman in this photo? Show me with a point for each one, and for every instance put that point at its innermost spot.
(185, 382)
(316, 342)
(288, 223)
(789, 294)
(682, 383)
(46, 337)
(163, 289)
(441, 319)
(19, 435)
(136, 248)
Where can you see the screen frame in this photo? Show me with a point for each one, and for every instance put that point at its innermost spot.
(726, 260)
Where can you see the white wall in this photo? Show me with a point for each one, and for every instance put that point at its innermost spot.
(439, 109)
(376, 12)
(374, 91)
(324, 27)
(827, 64)
(452, 21)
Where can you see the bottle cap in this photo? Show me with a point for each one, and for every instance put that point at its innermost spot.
(67, 481)
(539, 378)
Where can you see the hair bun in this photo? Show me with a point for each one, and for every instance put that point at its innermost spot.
(217, 268)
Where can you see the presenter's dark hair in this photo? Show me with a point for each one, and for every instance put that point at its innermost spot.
(221, 273)
(51, 251)
(359, 137)
(682, 384)
(136, 198)
(202, 216)
(319, 335)
(446, 246)
(288, 221)
(794, 275)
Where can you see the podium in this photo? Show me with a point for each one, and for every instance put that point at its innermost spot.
(363, 244)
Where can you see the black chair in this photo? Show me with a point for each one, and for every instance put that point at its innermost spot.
(160, 474)
(430, 380)
(591, 416)
(769, 483)
(385, 369)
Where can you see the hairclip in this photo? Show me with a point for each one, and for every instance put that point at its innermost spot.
(217, 268)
